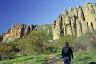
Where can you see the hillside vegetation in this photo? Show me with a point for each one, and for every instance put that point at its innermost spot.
(38, 46)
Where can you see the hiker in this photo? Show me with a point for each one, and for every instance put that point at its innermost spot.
(67, 53)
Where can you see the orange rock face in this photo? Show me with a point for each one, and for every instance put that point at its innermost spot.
(17, 31)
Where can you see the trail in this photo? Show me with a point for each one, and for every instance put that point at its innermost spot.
(52, 59)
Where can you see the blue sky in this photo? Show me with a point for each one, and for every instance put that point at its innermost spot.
(33, 11)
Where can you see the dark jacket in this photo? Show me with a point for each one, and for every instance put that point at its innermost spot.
(67, 51)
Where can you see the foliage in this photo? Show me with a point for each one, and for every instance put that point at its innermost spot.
(35, 42)
(40, 42)
(79, 58)
(85, 42)
(66, 38)
(7, 51)
(36, 59)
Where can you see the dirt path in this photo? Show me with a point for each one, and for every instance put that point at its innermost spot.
(52, 59)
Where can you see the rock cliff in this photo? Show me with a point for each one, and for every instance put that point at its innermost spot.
(17, 31)
(21, 30)
(75, 21)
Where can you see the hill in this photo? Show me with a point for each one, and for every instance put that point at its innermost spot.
(18, 31)
(75, 21)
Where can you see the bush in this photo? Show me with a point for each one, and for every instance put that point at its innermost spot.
(7, 51)
(85, 42)
(57, 45)
(66, 38)
(33, 43)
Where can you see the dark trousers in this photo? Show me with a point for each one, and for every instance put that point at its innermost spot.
(67, 60)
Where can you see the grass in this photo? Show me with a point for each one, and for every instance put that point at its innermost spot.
(84, 57)
(39, 59)
(79, 58)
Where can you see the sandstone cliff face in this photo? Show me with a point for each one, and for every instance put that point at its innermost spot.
(17, 31)
(21, 30)
(75, 21)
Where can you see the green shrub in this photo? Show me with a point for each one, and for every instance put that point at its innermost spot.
(33, 43)
(7, 51)
(66, 38)
(85, 42)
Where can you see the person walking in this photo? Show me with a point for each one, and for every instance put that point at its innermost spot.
(67, 54)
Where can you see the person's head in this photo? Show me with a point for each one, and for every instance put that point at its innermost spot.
(66, 44)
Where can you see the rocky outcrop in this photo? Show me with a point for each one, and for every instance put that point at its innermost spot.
(18, 31)
(1, 38)
(21, 30)
(75, 21)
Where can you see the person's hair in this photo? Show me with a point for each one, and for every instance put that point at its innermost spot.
(66, 44)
